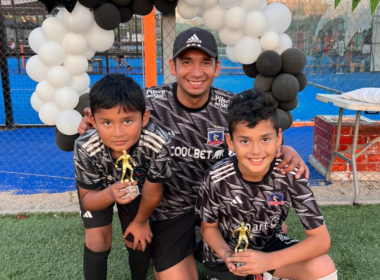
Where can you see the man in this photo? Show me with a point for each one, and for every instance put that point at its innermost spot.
(194, 114)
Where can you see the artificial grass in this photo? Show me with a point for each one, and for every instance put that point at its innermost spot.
(50, 246)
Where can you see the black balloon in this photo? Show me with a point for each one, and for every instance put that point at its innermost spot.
(283, 119)
(84, 102)
(107, 16)
(275, 101)
(269, 63)
(91, 4)
(51, 4)
(142, 7)
(121, 3)
(285, 87)
(165, 6)
(290, 116)
(250, 70)
(263, 83)
(302, 80)
(293, 61)
(289, 105)
(65, 142)
(126, 14)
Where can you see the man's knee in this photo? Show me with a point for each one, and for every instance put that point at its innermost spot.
(99, 239)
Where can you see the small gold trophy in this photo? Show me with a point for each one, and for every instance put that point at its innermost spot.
(127, 164)
(243, 232)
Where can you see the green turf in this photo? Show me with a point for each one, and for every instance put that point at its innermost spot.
(50, 246)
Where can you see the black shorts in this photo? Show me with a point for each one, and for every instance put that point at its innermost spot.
(102, 218)
(173, 240)
(219, 271)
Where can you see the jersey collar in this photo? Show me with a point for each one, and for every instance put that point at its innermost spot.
(191, 110)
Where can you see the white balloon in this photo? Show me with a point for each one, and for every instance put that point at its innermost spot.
(80, 82)
(214, 18)
(235, 17)
(89, 53)
(186, 11)
(54, 30)
(251, 5)
(270, 41)
(256, 24)
(230, 37)
(35, 69)
(45, 91)
(229, 3)
(263, 5)
(74, 43)
(285, 43)
(36, 39)
(48, 113)
(230, 52)
(194, 2)
(99, 39)
(79, 20)
(68, 122)
(76, 64)
(207, 4)
(59, 77)
(60, 13)
(52, 54)
(247, 50)
(279, 17)
(66, 98)
(36, 102)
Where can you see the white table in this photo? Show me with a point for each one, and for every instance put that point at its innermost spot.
(358, 106)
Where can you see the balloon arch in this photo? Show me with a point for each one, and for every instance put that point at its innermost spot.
(252, 30)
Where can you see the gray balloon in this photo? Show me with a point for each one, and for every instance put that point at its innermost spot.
(107, 16)
(285, 87)
(275, 101)
(84, 102)
(302, 80)
(293, 61)
(283, 119)
(65, 142)
(263, 83)
(289, 105)
(269, 63)
(290, 116)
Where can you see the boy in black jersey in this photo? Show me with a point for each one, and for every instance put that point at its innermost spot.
(246, 193)
(121, 123)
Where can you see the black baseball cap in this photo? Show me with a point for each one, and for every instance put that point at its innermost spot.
(195, 38)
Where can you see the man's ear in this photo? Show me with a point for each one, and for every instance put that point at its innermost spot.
(146, 118)
(172, 67)
(279, 138)
(217, 69)
(230, 144)
(92, 121)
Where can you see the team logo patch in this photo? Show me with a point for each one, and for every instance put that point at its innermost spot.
(276, 199)
(139, 172)
(215, 137)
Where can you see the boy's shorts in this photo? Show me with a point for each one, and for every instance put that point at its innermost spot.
(219, 271)
(173, 240)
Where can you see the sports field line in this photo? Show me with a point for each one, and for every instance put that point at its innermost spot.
(37, 175)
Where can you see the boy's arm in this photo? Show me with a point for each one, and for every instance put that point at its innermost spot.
(214, 239)
(315, 244)
(139, 227)
(291, 157)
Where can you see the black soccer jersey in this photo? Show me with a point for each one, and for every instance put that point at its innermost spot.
(95, 167)
(197, 142)
(263, 206)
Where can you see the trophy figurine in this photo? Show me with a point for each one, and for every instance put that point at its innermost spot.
(127, 164)
(243, 232)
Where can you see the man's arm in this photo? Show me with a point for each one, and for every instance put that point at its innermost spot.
(292, 158)
(85, 123)
(139, 227)
(315, 244)
(214, 239)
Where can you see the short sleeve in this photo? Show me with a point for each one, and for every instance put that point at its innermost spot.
(207, 205)
(159, 167)
(305, 205)
(86, 173)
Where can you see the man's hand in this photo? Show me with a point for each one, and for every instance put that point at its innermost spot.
(117, 191)
(141, 234)
(255, 262)
(292, 158)
(85, 123)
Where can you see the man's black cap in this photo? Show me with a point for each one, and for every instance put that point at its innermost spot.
(195, 38)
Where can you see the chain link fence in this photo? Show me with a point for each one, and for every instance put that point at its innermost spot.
(342, 50)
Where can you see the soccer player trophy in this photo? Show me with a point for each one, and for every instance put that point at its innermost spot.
(243, 232)
(127, 164)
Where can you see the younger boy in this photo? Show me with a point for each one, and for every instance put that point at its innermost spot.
(121, 123)
(246, 194)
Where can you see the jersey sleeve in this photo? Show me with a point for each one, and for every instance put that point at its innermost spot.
(207, 205)
(86, 173)
(159, 167)
(305, 205)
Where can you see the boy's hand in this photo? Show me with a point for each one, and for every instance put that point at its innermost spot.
(117, 191)
(292, 158)
(255, 262)
(141, 233)
(85, 123)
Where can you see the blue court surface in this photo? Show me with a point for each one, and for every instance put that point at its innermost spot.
(31, 163)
